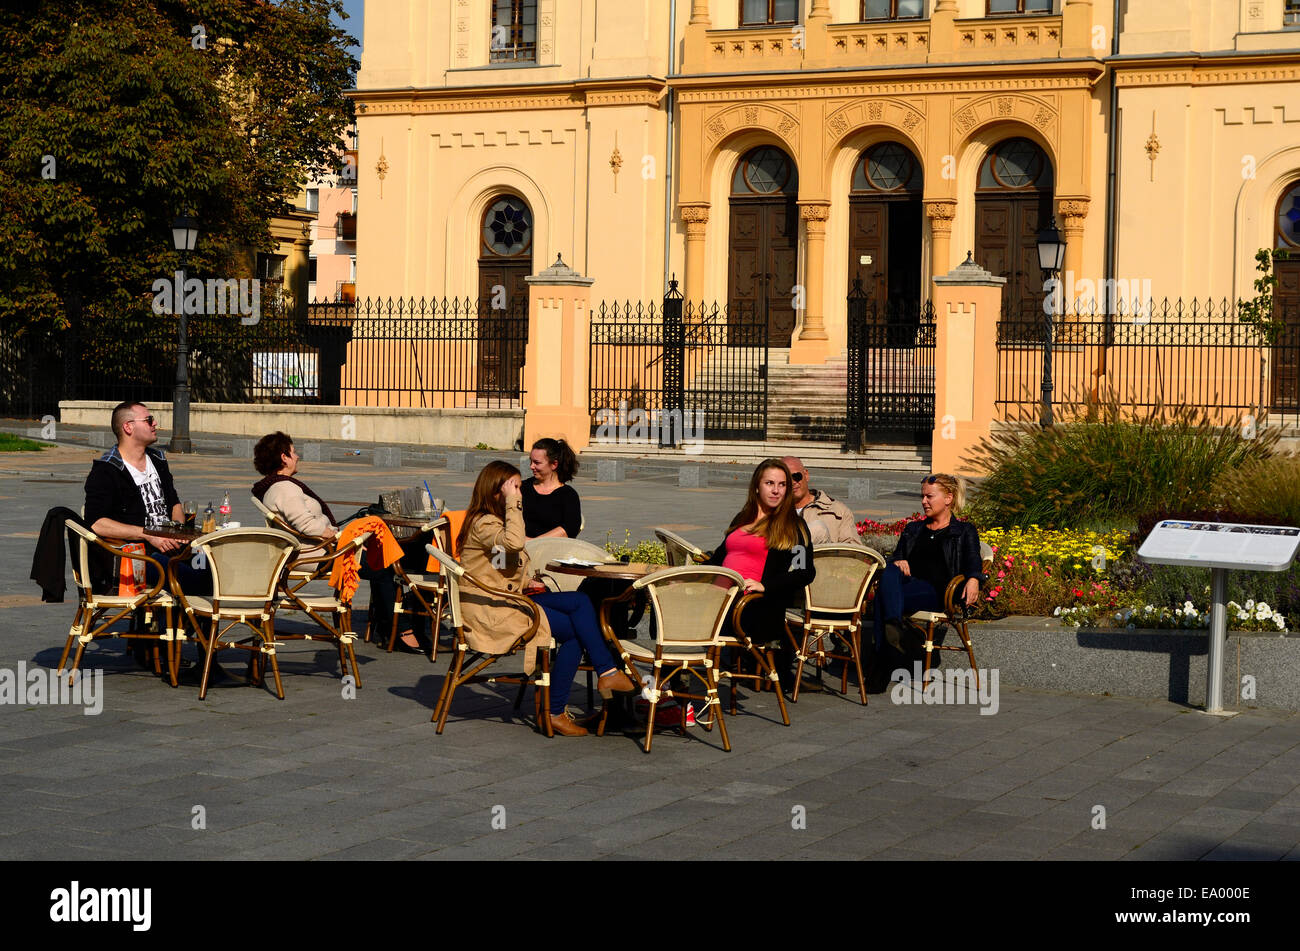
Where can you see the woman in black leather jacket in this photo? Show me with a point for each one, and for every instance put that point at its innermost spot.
(929, 555)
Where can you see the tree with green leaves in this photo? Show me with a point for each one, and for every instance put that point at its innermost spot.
(117, 117)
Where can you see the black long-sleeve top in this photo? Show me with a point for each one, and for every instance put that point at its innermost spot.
(960, 544)
(561, 509)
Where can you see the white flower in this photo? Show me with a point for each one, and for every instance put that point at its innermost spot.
(1262, 610)
(1187, 606)
(1243, 616)
(1250, 604)
(1056, 613)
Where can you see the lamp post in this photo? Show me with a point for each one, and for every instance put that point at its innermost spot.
(185, 233)
(1051, 255)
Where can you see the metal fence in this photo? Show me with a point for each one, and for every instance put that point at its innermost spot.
(1167, 353)
(435, 353)
(661, 371)
(890, 390)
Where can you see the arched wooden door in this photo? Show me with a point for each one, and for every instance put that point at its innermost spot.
(1013, 200)
(764, 243)
(885, 224)
(505, 259)
(1285, 387)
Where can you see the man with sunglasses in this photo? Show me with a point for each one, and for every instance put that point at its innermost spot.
(130, 490)
(830, 521)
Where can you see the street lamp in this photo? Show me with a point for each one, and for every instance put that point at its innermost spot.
(1051, 255)
(185, 234)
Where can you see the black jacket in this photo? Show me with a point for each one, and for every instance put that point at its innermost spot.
(112, 493)
(782, 581)
(961, 548)
(49, 560)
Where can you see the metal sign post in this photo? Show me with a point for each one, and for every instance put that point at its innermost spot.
(1221, 546)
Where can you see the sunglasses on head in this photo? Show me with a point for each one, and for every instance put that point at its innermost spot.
(929, 480)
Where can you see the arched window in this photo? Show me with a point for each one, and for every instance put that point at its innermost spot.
(1016, 164)
(507, 228)
(1288, 219)
(514, 31)
(887, 168)
(765, 171)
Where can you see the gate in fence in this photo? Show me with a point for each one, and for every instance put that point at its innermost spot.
(890, 395)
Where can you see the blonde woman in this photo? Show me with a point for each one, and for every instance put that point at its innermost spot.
(929, 555)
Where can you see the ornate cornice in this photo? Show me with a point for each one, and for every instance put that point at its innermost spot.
(695, 216)
(1196, 72)
(518, 98)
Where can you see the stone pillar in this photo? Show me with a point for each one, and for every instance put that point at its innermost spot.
(967, 303)
(1070, 213)
(700, 12)
(812, 345)
(940, 211)
(696, 217)
(943, 30)
(816, 40)
(1076, 30)
(555, 364)
(696, 39)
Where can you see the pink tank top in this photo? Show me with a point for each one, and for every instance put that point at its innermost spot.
(746, 554)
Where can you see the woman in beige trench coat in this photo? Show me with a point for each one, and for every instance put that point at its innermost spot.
(492, 550)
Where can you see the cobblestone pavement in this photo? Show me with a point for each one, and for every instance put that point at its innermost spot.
(321, 776)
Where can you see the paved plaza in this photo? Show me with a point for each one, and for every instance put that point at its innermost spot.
(160, 775)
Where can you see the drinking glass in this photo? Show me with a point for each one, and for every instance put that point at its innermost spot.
(190, 510)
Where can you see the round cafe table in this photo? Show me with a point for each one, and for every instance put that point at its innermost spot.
(612, 570)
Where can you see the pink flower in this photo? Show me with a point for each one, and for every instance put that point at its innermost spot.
(1002, 574)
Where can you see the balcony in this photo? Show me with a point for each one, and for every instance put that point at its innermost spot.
(346, 226)
(879, 41)
(750, 48)
(1036, 37)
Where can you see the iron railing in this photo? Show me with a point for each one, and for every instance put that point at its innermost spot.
(890, 389)
(700, 368)
(435, 353)
(1152, 354)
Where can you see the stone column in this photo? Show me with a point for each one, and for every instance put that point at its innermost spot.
(1076, 30)
(967, 303)
(555, 365)
(700, 12)
(813, 345)
(1070, 214)
(696, 217)
(940, 211)
(943, 29)
(816, 39)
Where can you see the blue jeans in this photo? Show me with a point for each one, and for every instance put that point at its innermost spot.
(192, 580)
(899, 595)
(575, 629)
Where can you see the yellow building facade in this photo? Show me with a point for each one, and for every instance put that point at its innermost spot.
(770, 152)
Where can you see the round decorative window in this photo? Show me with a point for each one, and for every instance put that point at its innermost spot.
(1288, 219)
(889, 166)
(765, 171)
(508, 227)
(1016, 163)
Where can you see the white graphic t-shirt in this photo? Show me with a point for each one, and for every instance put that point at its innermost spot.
(151, 491)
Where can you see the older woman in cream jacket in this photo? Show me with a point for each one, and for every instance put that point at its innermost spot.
(492, 550)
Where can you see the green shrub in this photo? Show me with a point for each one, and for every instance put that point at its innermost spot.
(1109, 470)
(647, 551)
(1263, 489)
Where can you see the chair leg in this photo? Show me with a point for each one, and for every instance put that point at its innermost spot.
(269, 633)
(448, 689)
(544, 661)
(775, 681)
(435, 626)
(798, 670)
(855, 651)
(72, 636)
(392, 634)
(929, 649)
(717, 705)
(207, 660)
(970, 650)
(654, 704)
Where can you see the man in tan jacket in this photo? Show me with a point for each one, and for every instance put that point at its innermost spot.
(830, 521)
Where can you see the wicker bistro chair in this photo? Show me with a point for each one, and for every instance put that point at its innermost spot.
(542, 551)
(332, 612)
(953, 615)
(89, 623)
(415, 589)
(248, 566)
(764, 659)
(680, 552)
(690, 609)
(299, 576)
(832, 614)
(457, 677)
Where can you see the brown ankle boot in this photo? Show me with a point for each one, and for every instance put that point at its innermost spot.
(563, 724)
